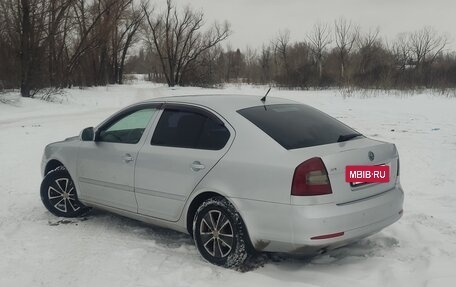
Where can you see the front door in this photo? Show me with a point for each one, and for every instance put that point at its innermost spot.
(187, 142)
(106, 165)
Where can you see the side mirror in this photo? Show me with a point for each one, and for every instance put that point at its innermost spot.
(88, 134)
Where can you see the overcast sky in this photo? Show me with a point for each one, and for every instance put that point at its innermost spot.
(255, 22)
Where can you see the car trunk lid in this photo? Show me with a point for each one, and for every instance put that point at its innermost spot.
(337, 156)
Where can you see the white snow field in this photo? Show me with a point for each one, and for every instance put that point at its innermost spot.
(38, 249)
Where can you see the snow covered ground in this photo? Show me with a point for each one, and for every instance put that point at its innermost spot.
(38, 249)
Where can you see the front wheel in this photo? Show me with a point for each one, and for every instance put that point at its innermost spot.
(219, 233)
(59, 196)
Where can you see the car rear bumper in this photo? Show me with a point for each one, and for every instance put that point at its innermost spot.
(293, 228)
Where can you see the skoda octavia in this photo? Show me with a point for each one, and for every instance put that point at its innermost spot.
(238, 173)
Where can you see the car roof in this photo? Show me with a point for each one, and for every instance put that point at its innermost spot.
(223, 103)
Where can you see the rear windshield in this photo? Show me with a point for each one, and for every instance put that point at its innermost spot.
(296, 126)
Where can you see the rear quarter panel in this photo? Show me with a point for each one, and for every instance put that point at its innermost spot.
(255, 167)
(255, 175)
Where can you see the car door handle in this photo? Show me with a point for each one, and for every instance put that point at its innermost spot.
(197, 166)
(127, 158)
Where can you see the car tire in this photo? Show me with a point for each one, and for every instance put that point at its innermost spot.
(59, 196)
(220, 234)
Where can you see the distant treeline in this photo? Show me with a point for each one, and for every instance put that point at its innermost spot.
(63, 43)
(339, 54)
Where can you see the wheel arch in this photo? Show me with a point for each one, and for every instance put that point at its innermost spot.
(51, 165)
(193, 206)
(198, 200)
(54, 163)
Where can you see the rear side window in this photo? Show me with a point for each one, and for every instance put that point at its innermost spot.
(296, 126)
(188, 128)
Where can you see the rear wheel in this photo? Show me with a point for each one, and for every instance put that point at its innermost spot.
(59, 196)
(219, 233)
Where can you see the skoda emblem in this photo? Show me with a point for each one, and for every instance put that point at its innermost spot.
(371, 156)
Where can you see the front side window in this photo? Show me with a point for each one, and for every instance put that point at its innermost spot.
(188, 128)
(128, 129)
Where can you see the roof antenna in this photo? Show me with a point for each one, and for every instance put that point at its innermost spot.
(263, 99)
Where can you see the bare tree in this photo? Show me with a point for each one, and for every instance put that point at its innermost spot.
(32, 33)
(346, 34)
(401, 51)
(58, 16)
(266, 64)
(319, 39)
(251, 60)
(93, 45)
(179, 40)
(281, 46)
(367, 46)
(368, 39)
(26, 46)
(132, 21)
(86, 36)
(206, 71)
(234, 62)
(426, 44)
(29, 26)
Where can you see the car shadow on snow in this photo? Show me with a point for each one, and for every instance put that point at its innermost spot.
(114, 224)
(162, 236)
(375, 246)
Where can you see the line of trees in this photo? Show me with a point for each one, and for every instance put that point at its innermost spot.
(335, 54)
(61, 43)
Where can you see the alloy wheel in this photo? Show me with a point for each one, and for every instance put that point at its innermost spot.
(62, 195)
(217, 234)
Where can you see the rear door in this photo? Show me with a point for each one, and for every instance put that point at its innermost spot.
(186, 144)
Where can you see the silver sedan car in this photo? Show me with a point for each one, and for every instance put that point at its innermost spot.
(238, 174)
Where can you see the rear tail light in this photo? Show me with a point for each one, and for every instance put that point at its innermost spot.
(311, 178)
(397, 166)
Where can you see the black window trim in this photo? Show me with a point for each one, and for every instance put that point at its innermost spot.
(192, 108)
